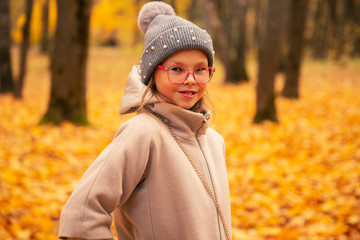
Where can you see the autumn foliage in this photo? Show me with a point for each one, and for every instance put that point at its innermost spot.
(298, 179)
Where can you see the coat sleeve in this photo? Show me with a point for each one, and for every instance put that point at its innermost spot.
(107, 184)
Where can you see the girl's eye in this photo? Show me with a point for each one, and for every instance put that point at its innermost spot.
(176, 69)
(200, 69)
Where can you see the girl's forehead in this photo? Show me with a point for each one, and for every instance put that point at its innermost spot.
(188, 56)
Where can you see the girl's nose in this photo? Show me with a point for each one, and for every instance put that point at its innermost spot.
(190, 80)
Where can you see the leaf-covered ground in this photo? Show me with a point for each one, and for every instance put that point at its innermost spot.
(299, 179)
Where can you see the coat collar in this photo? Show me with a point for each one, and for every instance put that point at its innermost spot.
(183, 121)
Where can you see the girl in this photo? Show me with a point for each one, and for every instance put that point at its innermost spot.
(164, 174)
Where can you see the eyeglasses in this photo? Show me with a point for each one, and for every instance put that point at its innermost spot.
(178, 75)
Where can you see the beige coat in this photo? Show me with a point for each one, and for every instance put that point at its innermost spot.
(146, 181)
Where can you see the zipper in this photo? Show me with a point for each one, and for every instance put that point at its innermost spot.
(204, 121)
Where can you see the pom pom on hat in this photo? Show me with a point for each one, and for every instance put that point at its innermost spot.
(151, 10)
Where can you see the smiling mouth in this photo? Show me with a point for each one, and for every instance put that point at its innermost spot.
(188, 93)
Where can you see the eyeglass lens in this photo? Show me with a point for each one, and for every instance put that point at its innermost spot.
(201, 75)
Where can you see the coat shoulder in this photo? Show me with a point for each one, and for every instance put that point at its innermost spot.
(213, 134)
(141, 125)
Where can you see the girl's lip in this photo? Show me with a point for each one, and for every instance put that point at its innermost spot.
(188, 93)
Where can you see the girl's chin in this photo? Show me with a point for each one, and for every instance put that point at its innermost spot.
(186, 105)
(182, 104)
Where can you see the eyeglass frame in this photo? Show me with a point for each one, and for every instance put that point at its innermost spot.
(212, 69)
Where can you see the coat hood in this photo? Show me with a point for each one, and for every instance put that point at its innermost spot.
(134, 91)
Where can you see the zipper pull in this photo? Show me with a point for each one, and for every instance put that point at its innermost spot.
(206, 117)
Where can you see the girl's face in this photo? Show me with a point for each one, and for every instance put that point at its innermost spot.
(189, 92)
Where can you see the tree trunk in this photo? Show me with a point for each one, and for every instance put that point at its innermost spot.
(319, 37)
(256, 32)
(238, 70)
(228, 19)
(6, 79)
(260, 10)
(284, 46)
(352, 22)
(341, 34)
(298, 10)
(356, 51)
(268, 64)
(68, 64)
(45, 27)
(333, 21)
(24, 49)
(221, 39)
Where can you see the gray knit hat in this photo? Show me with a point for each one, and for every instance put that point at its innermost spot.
(167, 34)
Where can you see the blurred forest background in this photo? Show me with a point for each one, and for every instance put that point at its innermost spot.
(286, 95)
